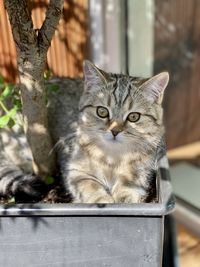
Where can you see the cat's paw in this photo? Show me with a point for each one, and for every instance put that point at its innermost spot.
(105, 200)
(124, 194)
(99, 200)
(127, 198)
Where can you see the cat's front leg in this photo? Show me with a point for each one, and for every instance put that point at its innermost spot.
(85, 190)
(125, 194)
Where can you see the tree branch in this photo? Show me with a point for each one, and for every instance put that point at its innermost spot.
(21, 23)
(31, 56)
(50, 23)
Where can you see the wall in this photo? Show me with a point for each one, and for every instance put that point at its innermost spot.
(69, 45)
(177, 49)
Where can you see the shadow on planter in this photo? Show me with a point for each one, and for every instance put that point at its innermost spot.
(87, 234)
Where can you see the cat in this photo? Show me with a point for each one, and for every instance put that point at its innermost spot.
(108, 129)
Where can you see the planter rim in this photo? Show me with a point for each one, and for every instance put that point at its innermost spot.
(165, 205)
(139, 210)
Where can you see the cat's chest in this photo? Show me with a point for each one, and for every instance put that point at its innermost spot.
(109, 172)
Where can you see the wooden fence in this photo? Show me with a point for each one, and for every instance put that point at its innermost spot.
(68, 47)
(177, 49)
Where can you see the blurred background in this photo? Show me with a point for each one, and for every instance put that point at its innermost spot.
(142, 38)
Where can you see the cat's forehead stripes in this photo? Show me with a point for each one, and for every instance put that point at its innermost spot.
(121, 86)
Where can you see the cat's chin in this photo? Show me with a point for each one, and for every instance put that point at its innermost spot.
(109, 138)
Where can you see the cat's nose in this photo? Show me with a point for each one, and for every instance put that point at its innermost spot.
(115, 132)
(115, 128)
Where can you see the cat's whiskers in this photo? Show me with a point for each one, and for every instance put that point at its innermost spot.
(87, 176)
(118, 154)
(59, 145)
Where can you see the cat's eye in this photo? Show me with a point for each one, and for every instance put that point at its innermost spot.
(133, 116)
(102, 112)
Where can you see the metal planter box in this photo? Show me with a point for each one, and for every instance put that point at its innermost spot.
(86, 235)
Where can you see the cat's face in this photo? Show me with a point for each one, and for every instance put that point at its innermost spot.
(119, 112)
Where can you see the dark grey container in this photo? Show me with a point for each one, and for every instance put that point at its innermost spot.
(117, 235)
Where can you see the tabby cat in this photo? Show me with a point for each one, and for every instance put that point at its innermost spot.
(107, 143)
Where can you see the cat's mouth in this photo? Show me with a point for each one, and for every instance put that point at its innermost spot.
(109, 137)
(115, 139)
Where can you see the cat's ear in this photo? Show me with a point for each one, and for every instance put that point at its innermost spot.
(154, 87)
(94, 77)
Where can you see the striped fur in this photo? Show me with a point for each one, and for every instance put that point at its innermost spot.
(14, 182)
(94, 166)
(109, 168)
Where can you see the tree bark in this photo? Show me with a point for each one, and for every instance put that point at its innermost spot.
(32, 47)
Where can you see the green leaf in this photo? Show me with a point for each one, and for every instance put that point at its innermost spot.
(48, 74)
(13, 112)
(49, 180)
(11, 123)
(8, 120)
(11, 200)
(17, 103)
(4, 120)
(53, 87)
(7, 91)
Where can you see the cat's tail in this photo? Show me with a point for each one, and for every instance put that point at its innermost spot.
(14, 182)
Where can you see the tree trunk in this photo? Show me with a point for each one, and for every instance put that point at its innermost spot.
(35, 112)
(32, 47)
